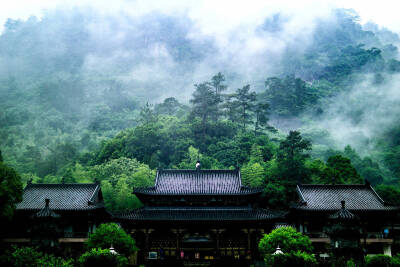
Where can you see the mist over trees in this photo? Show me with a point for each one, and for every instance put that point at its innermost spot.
(88, 96)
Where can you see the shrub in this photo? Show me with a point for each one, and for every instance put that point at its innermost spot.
(379, 260)
(298, 258)
(351, 263)
(51, 261)
(111, 234)
(25, 257)
(396, 261)
(102, 257)
(287, 238)
(30, 257)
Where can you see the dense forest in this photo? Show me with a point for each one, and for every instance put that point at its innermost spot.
(86, 98)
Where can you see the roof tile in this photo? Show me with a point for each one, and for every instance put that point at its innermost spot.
(198, 182)
(62, 196)
(329, 197)
(199, 214)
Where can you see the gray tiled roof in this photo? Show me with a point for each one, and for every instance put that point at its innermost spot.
(343, 214)
(46, 212)
(62, 197)
(329, 197)
(199, 214)
(198, 182)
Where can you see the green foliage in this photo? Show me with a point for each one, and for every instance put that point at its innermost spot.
(274, 195)
(244, 102)
(62, 121)
(171, 107)
(295, 246)
(52, 261)
(340, 171)
(389, 193)
(396, 260)
(30, 257)
(350, 263)
(288, 96)
(63, 109)
(205, 104)
(102, 257)
(296, 258)
(253, 174)
(379, 260)
(118, 177)
(110, 234)
(291, 157)
(25, 257)
(10, 191)
(287, 238)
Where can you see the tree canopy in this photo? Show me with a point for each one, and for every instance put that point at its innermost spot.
(110, 234)
(10, 190)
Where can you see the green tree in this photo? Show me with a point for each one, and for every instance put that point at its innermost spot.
(253, 174)
(245, 102)
(10, 191)
(295, 246)
(261, 112)
(287, 238)
(118, 177)
(170, 107)
(389, 193)
(291, 158)
(274, 195)
(110, 234)
(25, 257)
(147, 114)
(340, 171)
(31, 257)
(292, 259)
(288, 96)
(378, 260)
(102, 258)
(217, 83)
(205, 105)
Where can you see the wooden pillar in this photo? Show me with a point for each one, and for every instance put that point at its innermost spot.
(248, 239)
(217, 233)
(146, 232)
(218, 237)
(178, 237)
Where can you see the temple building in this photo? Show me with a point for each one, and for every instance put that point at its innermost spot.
(198, 217)
(377, 222)
(207, 218)
(57, 215)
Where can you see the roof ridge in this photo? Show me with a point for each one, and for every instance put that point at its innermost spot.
(96, 190)
(301, 194)
(201, 170)
(376, 194)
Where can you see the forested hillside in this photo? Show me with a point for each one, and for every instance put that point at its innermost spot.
(85, 96)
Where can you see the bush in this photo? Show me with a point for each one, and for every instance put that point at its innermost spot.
(396, 261)
(25, 257)
(51, 261)
(30, 257)
(298, 258)
(102, 257)
(111, 234)
(350, 263)
(287, 238)
(379, 260)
